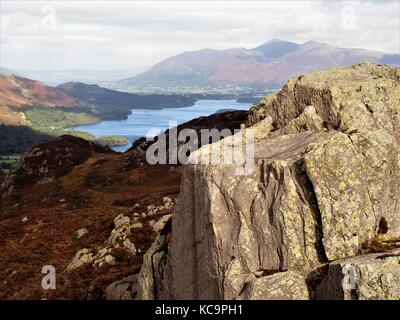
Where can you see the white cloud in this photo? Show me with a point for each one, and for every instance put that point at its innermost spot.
(125, 34)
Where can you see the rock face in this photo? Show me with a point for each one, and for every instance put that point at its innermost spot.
(152, 280)
(373, 276)
(50, 160)
(326, 178)
(124, 289)
(120, 220)
(81, 257)
(281, 286)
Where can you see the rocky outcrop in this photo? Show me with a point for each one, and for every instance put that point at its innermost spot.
(82, 257)
(124, 289)
(227, 226)
(49, 161)
(85, 256)
(287, 285)
(326, 178)
(152, 280)
(367, 277)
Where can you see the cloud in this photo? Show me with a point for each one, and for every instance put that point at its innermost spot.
(126, 34)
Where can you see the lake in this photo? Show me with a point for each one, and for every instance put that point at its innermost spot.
(141, 121)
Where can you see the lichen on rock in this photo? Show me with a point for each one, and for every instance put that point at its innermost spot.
(327, 172)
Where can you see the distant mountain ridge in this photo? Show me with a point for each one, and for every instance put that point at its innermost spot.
(101, 77)
(270, 63)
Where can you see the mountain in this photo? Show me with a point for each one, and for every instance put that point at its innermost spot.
(271, 63)
(57, 77)
(18, 94)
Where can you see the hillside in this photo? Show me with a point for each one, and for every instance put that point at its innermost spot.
(74, 102)
(17, 94)
(269, 64)
(70, 195)
(115, 105)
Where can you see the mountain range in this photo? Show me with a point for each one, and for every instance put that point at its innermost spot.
(271, 63)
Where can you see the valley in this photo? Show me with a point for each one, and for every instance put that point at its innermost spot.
(32, 112)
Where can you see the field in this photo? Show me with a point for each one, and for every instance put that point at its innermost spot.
(57, 118)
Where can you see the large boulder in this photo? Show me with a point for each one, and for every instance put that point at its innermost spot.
(48, 161)
(124, 289)
(287, 285)
(325, 178)
(151, 283)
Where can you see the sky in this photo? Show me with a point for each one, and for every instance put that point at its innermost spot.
(59, 35)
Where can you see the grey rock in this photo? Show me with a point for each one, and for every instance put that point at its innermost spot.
(326, 174)
(160, 223)
(81, 232)
(124, 289)
(120, 220)
(154, 274)
(287, 285)
(82, 257)
(373, 276)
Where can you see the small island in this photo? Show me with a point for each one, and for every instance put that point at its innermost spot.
(112, 141)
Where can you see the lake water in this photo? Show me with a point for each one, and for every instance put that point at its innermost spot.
(141, 121)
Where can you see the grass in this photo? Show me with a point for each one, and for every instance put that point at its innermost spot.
(49, 123)
(41, 117)
(26, 247)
